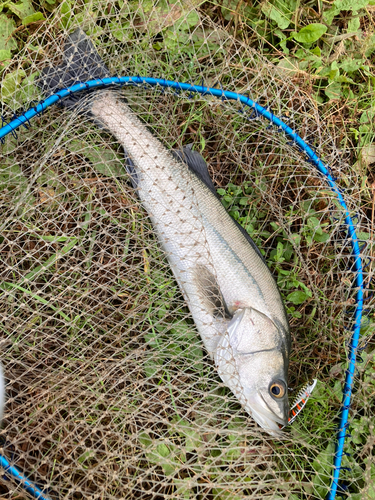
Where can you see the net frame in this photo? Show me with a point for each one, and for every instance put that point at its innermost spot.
(315, 160)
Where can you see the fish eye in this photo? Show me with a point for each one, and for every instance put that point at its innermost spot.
(277, 389)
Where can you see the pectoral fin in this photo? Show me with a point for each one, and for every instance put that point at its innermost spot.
(210, 293)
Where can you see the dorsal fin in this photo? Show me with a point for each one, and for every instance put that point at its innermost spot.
(196, 164)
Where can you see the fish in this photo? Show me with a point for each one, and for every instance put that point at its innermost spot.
(228, 287)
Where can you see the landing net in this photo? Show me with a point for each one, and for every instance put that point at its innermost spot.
(110, 391)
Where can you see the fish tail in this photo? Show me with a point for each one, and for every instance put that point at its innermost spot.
(81, 62)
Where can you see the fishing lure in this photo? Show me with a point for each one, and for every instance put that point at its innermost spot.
(300, 401)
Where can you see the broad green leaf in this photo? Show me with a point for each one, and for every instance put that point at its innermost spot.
(314, 223)
(372, 481)
(228, 8)
(17, 88)
(328, 15)
(310, 33)
(192, 438)
(281, 18)
(297, 297)
(22, 9)
(158, 16)
(289, 65)
(369, 45)
(7, 26)
(159, 453)
(334, 72)
(145, 439)
(162, 450)
(333, 91)
(193, 441)
(350, 65)
(337, 390)
(194, 355)
(172, 466)
(367, 128)
(345, 79)
(122, 31)
(37, 16)
(66, 11)
(65, 7)
(25, 90)
(184, 488)
(354, 25)
(5, 54)
(323, 466)
(339, 5)
(353, 5)
(224, 494)
(321, 238)
(364, 236)
(296, 239)
(49, 5)
(316, 51)
(283, 40)
(367, 116)
(10, 83)
(152, 366)
(192, 19)
(11, 176)
(370, 491)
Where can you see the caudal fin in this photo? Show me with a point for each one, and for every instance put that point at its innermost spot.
(81, 62)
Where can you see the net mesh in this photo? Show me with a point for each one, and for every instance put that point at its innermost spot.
(110, 392)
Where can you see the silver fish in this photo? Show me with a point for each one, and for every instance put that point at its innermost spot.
(228, 287)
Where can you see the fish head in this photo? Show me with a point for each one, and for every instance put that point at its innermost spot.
(252, 359)
(266, 393)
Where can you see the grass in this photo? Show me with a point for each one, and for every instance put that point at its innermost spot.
(114, 329)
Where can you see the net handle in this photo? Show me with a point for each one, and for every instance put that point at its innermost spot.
(303, 146)
(17, 475)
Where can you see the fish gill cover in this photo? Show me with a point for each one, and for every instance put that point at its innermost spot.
(111, 393)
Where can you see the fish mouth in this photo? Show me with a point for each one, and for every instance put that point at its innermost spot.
(264, 416)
